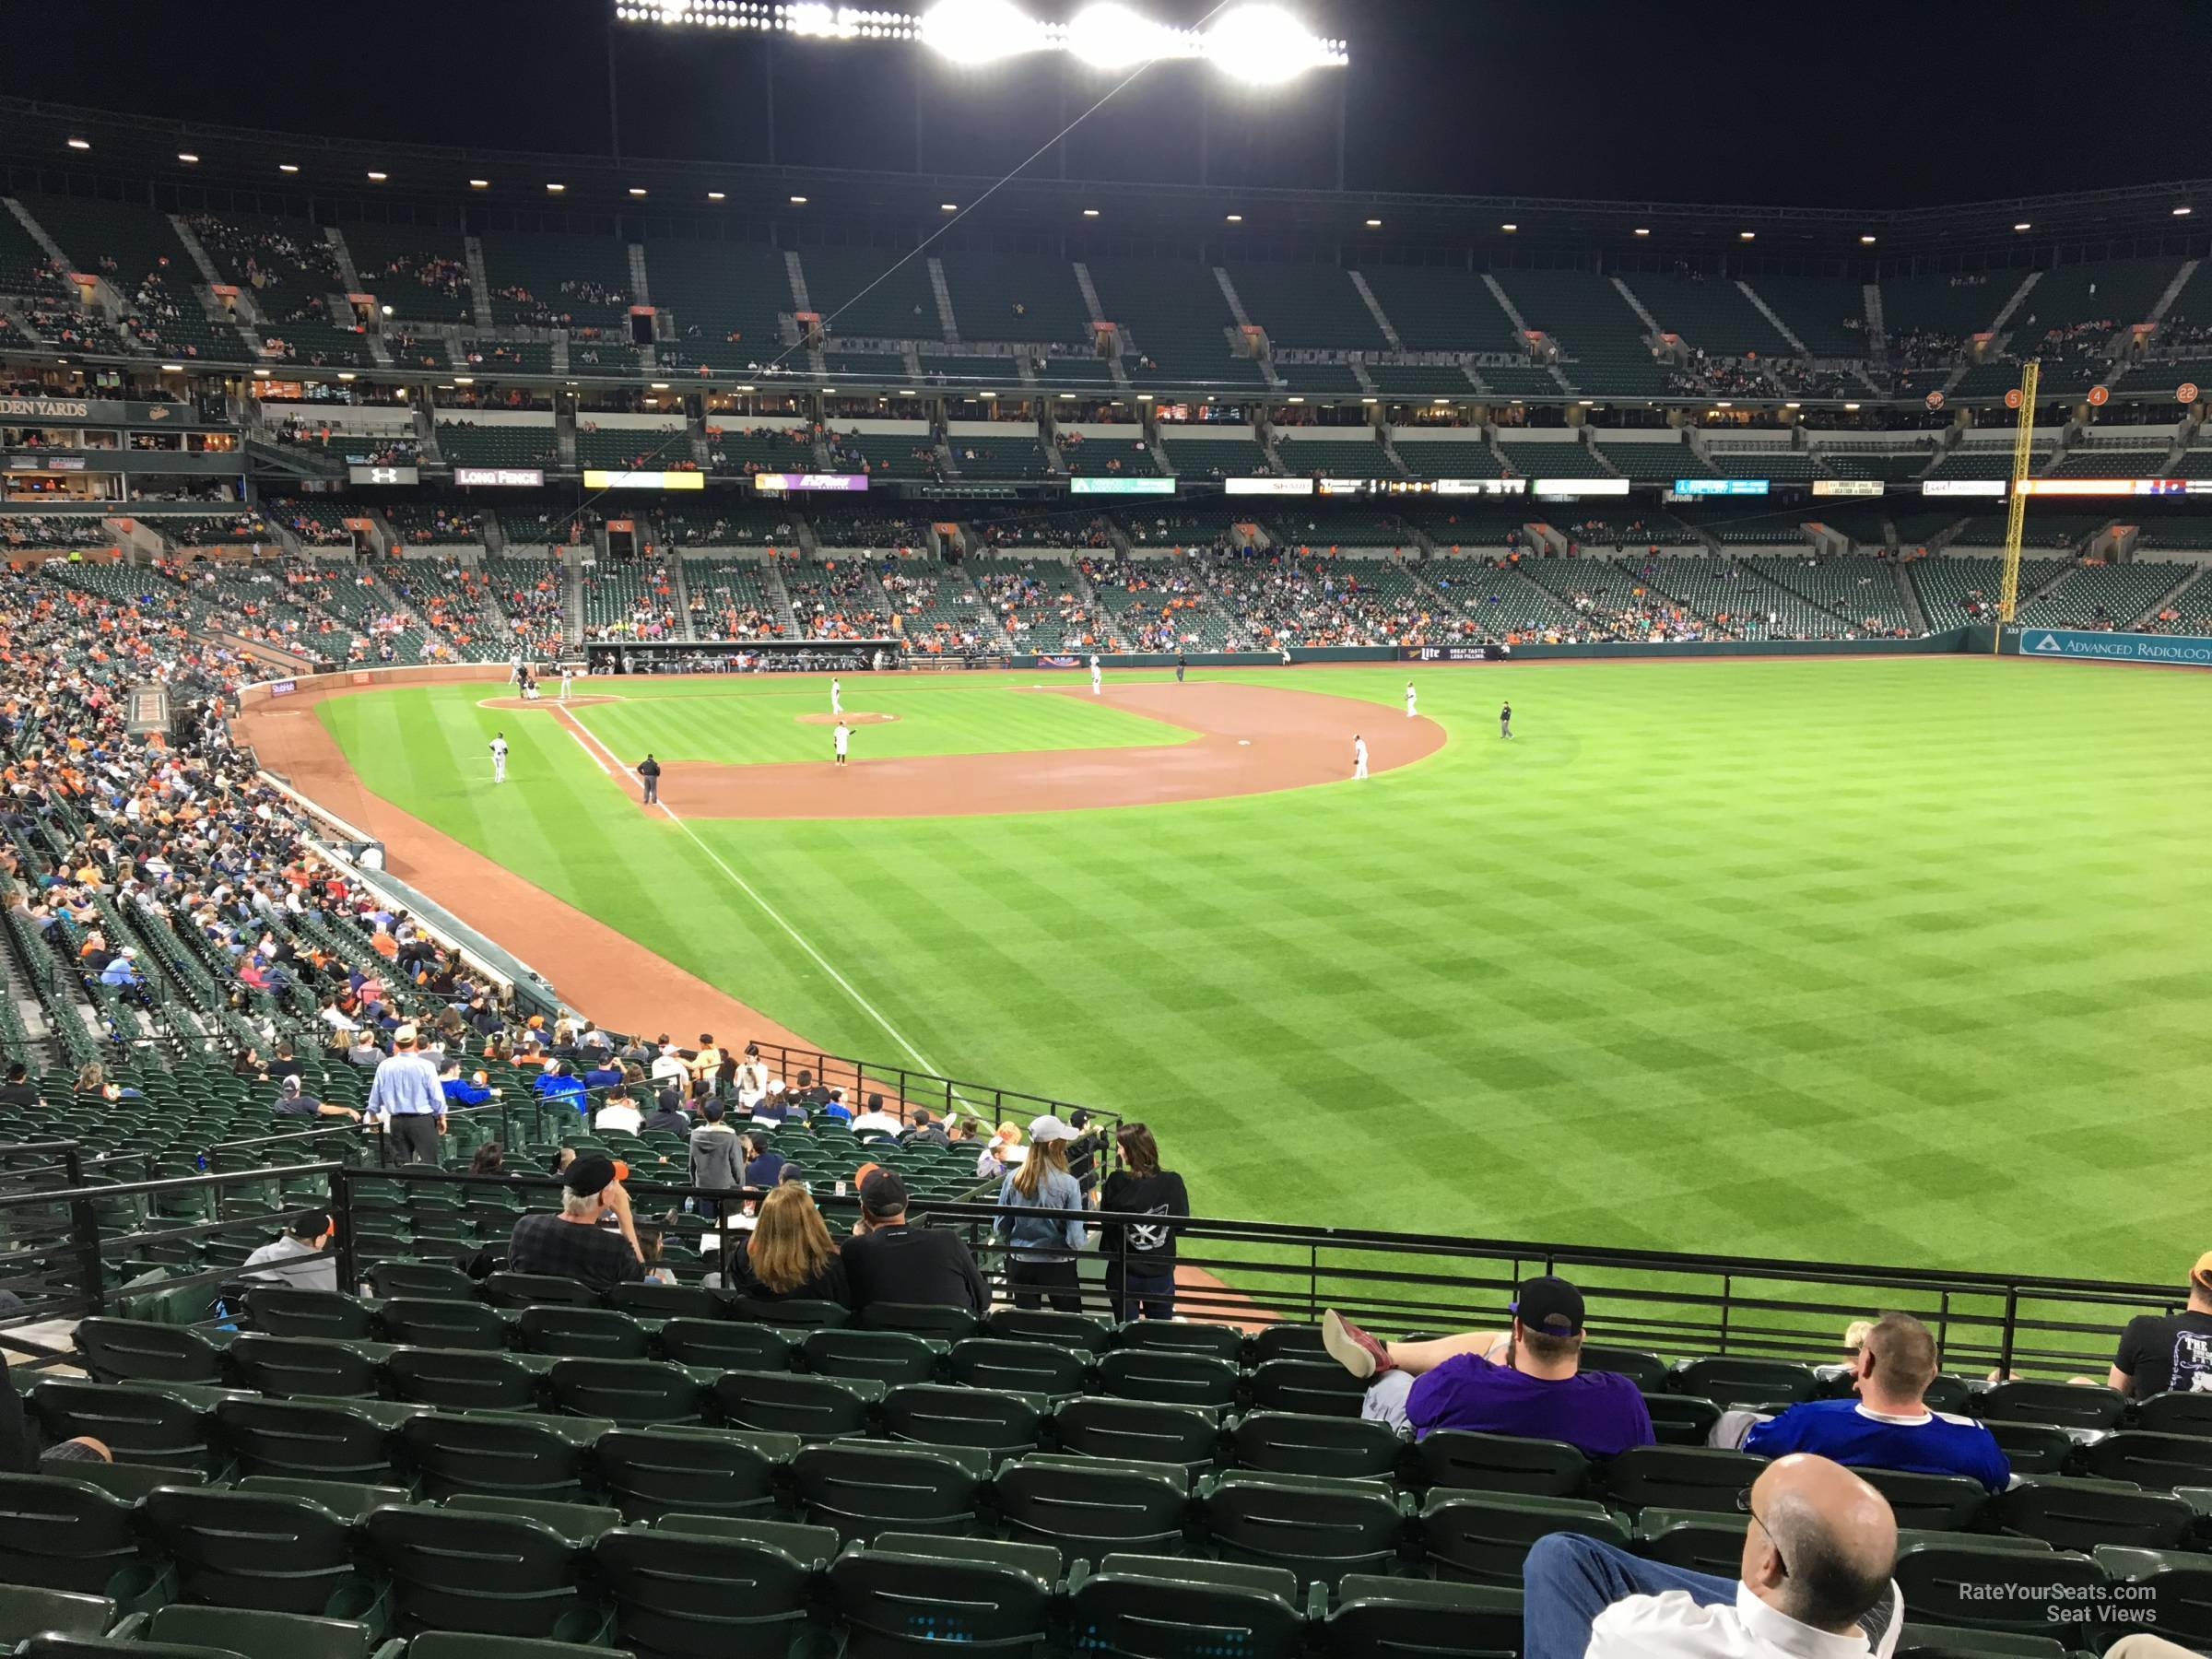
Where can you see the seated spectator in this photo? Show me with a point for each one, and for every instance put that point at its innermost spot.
(620, 1114)
(292, 1103)
(668, 1066)
(1526, 1381)
(926, 1132)
(888, 1261)
(763, 1164)
(875, 1120)
(1890, 1425)
(2168, 1353)
(555, 1087)
(667, 1116)
(18, 1090)
(789, 1256)
(460, 1090)
(604, 1073)
(1815, 1583)
(490, 1158)
(302, 1259)
(573, 1244)
(835, 1109)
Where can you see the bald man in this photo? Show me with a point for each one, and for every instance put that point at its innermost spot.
(1816, 1583)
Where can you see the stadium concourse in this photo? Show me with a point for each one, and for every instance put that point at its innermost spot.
(368, 1294)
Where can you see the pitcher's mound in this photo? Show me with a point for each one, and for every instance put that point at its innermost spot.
(576, 701)
(852, 717)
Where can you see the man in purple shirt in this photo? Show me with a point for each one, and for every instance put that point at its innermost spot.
(1527, 1381)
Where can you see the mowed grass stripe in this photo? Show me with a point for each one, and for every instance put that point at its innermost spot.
(1895, 960)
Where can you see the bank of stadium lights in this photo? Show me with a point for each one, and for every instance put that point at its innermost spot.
(2024, 225)
(1644, 229)
(187, 157)
(1865, 241)
(1747, 235)
(479, 183)
(288, 166)
(1254, 41)
(83, 143)
(2182, 212)
(714, 196)
(378, 178)
(1374, 224)
(637, 189)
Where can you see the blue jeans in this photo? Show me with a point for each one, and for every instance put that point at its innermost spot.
(1568, 1580)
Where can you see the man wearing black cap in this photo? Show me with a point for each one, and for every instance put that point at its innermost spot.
(1527, 1381)
(887, 1260)
(572, 1244)
(302, 1259)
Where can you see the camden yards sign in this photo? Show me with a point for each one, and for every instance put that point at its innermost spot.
(81, 408)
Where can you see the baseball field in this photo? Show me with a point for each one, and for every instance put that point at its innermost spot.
(1902, 961)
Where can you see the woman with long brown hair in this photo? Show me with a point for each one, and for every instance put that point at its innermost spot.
(1140, 1253)
(788, 1255)
(1040, 1249)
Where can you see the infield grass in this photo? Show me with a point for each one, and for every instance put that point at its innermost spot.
(1899, 961)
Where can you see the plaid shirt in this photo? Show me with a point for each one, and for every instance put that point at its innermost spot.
(595, 1256)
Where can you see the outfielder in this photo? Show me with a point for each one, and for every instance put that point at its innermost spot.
(1358, 756)
(837, 696)
(1505, 721)
(1410, 708)
(1097, 680)
(841, 738)
(499, 758)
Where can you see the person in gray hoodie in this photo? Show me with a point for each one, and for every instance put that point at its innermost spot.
(717, 1158)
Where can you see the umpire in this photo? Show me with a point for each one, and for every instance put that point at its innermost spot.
(407, 1100)
(650, 771)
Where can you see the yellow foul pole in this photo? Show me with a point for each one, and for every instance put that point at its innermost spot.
(2016, 512)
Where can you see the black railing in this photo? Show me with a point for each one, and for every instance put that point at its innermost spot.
(1238, 1272)
(944, 1097)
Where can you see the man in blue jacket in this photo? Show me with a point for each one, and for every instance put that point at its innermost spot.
(557, 1087)
(460, 1090)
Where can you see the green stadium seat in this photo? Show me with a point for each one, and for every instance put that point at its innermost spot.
(1679, 1476)
(69, 1535)
(1316, 1388)
(1223, 1342)
(580, 1523)
(1298, 1443)
(1502, 1463)
(2081, 1514)
(1166, 1376)
(131, 1350)
(1394, 1618)
(26, 1611)
(2178, 1605)
(499, 1454)
(896, 1602)
(579, 1333)
(920, 1319)
(1285, 1341)
(1085, 1507)
(306, 1439)
(1701, 1540)
(496, 1575)
(1733, 1380)
(462, 1379)
(1647, 1370)
(996, 1419)
(1039, 1368)
(129, 1482)
(2150, 1459)
(426, 1279)
(349, 1500)
(864, 1488)
(2035, 1448)
(2175, 1414)
(890, 1358)
(1968, 1582)
(654, 1300)
(276, 1553)
(1938, 1642)
(1929, 1503)
(1138, 1430)
(691, 1597)
(2064, 1404)
(1080, 1331)
(538, 1290)
(448, 1322)
(729, 1344)
(283, 1312)
(1317, 1526)
(811, 1408)
(813, 1545)
(142, 1424)
(281, 1367)
(1681, 1419)
(1139, 1606)
(797, 1313)
(1485, 1537)
(653, 1473)
(456, 1644)
(255, 1634)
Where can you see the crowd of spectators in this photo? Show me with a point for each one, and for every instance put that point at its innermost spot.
(558, 313)
(838, 599)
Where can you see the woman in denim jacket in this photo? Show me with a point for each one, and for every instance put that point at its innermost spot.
(1041, 1250)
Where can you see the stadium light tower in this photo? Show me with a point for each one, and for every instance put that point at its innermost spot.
(1256, 41)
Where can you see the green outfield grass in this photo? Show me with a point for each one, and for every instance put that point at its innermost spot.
(748, 722)
(1902, 961)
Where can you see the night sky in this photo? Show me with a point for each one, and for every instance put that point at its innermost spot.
(1881, 103)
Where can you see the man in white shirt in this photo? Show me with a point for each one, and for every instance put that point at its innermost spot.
(620, 1113)
(877, 1121)
(1815, 1583)
(668, 1067)
(837, 695)
(1358, 756)
(498, 758)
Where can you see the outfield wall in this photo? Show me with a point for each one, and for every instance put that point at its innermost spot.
(1947, 643)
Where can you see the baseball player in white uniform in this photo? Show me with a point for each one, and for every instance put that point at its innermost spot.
(1358, 756)
(498, 758)
(514, 669)
(837, 696)
(1410, 708)
(568, 681)
(842, 738)
(1097, 680)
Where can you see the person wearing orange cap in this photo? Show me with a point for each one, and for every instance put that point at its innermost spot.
(2168, 1353)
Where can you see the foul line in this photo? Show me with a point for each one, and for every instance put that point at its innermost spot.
(745, 887)
(586, 748)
